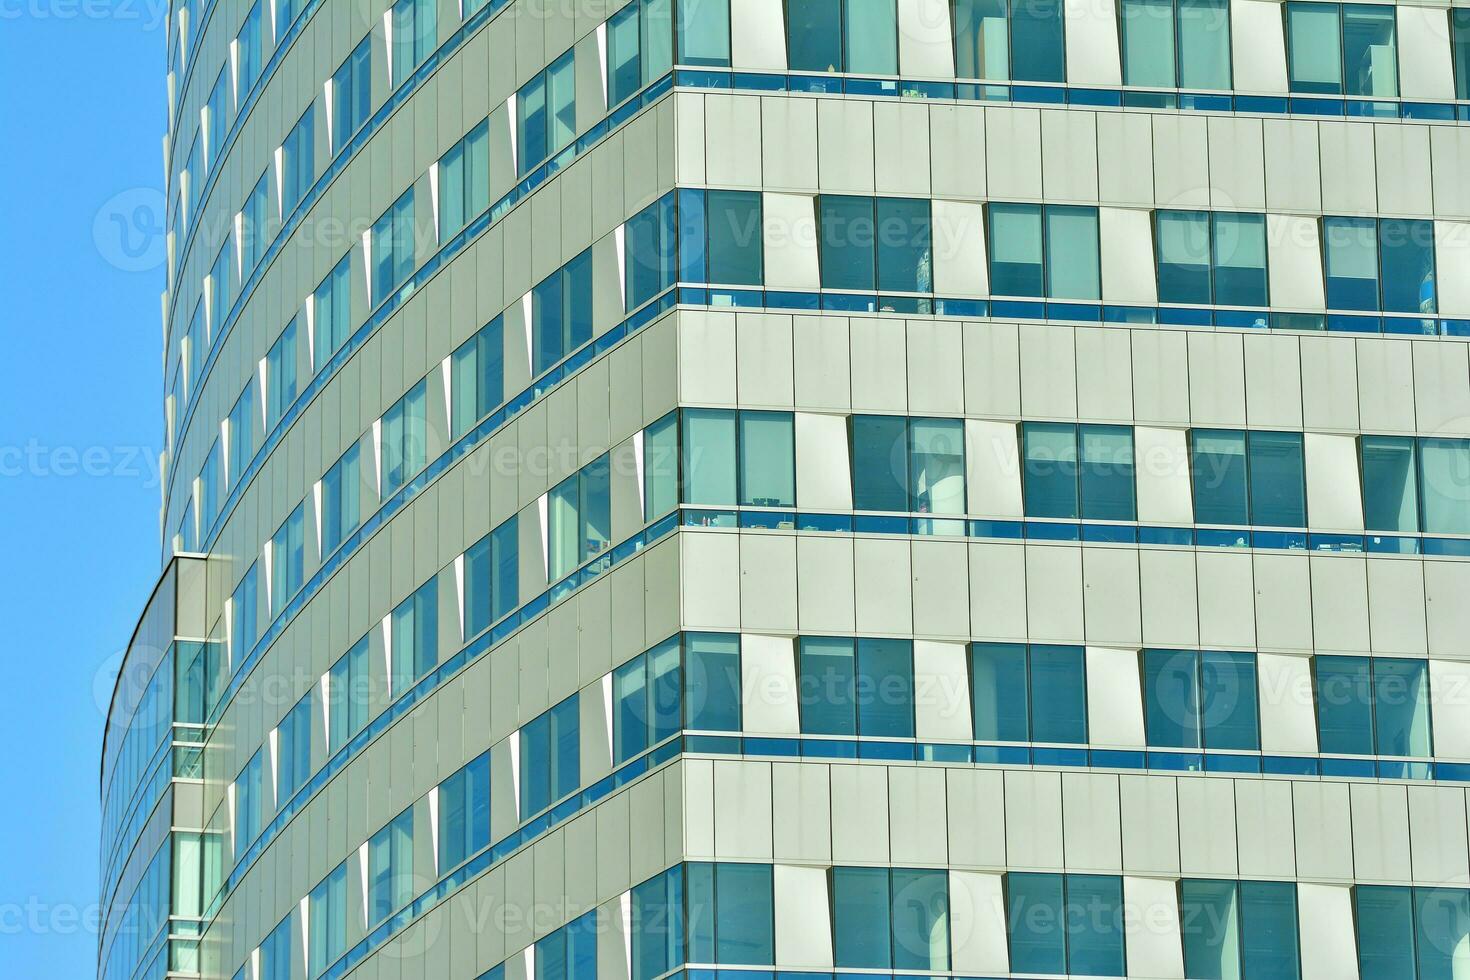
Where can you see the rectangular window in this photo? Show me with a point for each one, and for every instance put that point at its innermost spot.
(464, 182)
(1209, 923)
(390, 868)
(1015, 250)
(352, 90)
(331, 314)
(415, 637)
(712, 682)
(1058, 678)
(1406, 257)
(937, 466)
(221, 288)
(249, 804)
(998, 692)
(341, 500)
(1050, 470)
(1401, 707)
(826, 670)
(704, 33)
(561, 312)
(734, 247)
(350, 695)
(254, 229)
(646, 701)
(1385, 921)
(244, 616)
(1268, 936)
(1073, 269)
(404, 440)
(708, 449)
(879, 462)
(550, 757)
(904, 245)
(288, 554)
(890, 918)
(767, 459)
(327, 909)
(624, 69)
(1352, 263)
(660, 467)
(1390, 483)
(1182, 244)
(1460, 44)
(248, 57)
(1038, 42)
(731, 914)
(1176, 43)
(478, 378)
(293, 750)
(216, 123)
(981, 39)
(650, 237)
(393, 242)
(657, 927)
(578, 516)
(464, 814)
(278, 951)
(846, 243)
(569, 953)
(1065, 924)
(280, 376)
(870, 33)
(1105, 473)
(1440, 930)
(1344, 689)
(546, 109)
(1342, 50)
(1278, 495)
(298, 162)
(415, 35)
(1444, 485)
(885, 688)
(1218, 473)
(1200, 700)
(1238, 251)
(814, 35)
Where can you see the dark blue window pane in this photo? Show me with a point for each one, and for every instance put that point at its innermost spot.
(861, 925)
(734, 237)
(1105, 472)
(814, 35)
(744, 930)
(920, 920)
(1095, 925)
(712, 682)
(1344, 705)
(1228, 712)
(846, 225)
(885, 688)
(1038, 53)
(1385, 933)
(1406, 249)
(1035, 917)
(1390, 484)
(630, 709)
(701, 912)
(999, 692)
(1278, 479)
(827, 677)
(1051, 469)
(1171, 698)
(1219, 476)
(879, 463)
(1058, 694)
(650, 252)
(693, 235)
(905, 254)
(1268, 930)
(663, 683)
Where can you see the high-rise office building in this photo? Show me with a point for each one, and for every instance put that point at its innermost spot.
(964, 488)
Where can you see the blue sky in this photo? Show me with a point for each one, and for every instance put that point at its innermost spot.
(81, 118)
